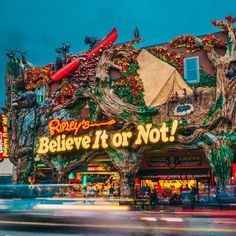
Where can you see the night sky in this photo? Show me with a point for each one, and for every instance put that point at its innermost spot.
(39, 26)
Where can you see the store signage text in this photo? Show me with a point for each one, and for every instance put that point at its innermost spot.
(56, 126)
(144, 135)
(4, 137)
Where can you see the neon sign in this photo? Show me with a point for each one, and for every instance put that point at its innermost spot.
(56, 126)
(62, 142)
(3, 137)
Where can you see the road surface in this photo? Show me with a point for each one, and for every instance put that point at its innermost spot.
(132, 223)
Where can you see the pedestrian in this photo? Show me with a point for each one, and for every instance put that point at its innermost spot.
(193, 194)
(146, 201)
(186, 188)
(84, 191)
(92, 191)
(146, 196)
(153, 200)
(111, 191)
(159, 189)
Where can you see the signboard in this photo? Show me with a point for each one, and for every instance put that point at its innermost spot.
(174, 177)
(65, 136)
(174, 161)
(3, 137)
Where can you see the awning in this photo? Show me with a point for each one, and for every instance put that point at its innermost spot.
(187, 173)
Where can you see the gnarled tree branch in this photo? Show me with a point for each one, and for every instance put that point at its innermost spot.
(212, 55)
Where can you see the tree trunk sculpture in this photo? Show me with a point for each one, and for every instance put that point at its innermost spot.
(221, 120)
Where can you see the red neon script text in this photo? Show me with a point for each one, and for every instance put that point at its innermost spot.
(56, 126)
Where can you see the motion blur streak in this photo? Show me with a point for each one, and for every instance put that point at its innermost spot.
(169, 219)
(80, 207)
(224, 222)
(211, 213)
(116, 226)
(148, 218)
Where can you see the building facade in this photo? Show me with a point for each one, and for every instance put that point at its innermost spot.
(117, 118)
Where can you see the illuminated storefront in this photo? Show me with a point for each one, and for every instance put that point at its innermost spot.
(173, 172)
(96, 180)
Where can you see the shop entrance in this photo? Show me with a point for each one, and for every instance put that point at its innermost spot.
(174, 172)
(96, 184)
(98, 180)
(171, 190)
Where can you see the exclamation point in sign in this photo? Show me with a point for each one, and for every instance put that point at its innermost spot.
(173, 130)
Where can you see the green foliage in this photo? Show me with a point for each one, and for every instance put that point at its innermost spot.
(169, 123)
(131, 91)
(221, 154)
(27, 171)
(13, 68)
(126, 115)
(75, 110)
(206, 80)
(229, 138)
(92, 110)
(61, 161)
(229, 45)
(232, 138)
(148, 111)
(125, 90)
(220, 160)
(114, 154)
(183, 122)
(217, 107)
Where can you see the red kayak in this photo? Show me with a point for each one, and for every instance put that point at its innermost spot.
(70, 67)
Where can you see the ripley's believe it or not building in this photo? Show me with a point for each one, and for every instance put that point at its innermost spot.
(120, 116)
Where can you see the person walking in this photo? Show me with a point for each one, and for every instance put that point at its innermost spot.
(193, 194)
(153, 200)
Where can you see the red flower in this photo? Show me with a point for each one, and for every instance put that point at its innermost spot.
(230, 19)
(214, 22)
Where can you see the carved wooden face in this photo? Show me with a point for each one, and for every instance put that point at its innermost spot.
(231, 73)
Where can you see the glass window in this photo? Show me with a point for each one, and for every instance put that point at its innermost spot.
(40, 94)
(191, 70)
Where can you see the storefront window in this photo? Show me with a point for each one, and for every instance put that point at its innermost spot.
(203, 189)
(94, 184)
(169, 186)
(170, 191)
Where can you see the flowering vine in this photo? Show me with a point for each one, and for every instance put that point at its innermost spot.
(190, 43)
(171, 57)
(224, 26)
(37, 76)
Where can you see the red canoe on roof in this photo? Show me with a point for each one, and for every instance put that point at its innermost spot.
(70, 67)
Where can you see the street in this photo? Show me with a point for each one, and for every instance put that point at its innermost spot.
(158, 223)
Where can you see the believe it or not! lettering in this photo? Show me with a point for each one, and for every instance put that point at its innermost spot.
(144, 135)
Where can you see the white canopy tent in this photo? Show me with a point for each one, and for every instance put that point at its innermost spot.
(160, 80)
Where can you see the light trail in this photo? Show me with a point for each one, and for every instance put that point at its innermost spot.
(80, 207)
(171, 219)
(116, 226)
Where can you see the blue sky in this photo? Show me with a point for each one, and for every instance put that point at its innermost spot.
(39, 26)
